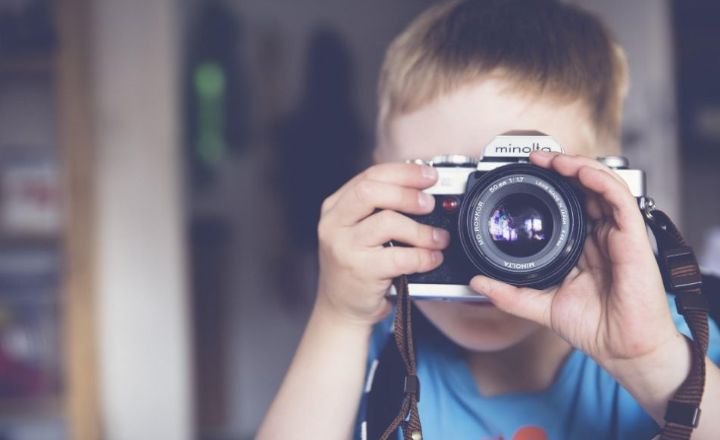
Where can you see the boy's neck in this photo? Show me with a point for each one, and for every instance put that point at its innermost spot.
(529, 366)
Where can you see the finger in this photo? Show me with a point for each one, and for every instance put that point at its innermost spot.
(625, 212)
(405, 174)
(402, 174)
(387, 225)
(543, 158)
(592, 257)
(368, 195)
(524, 302)
(602, 181)
(391, 262)
(569, 165)
(594, 207)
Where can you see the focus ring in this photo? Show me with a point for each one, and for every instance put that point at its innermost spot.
(550, 265)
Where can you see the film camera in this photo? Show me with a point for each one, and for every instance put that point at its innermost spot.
(508, 219)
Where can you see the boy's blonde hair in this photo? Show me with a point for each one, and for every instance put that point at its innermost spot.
(540, 46)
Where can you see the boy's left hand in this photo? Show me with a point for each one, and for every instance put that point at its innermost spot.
(612, 305)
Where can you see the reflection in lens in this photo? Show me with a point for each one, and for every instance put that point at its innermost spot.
(520, 225)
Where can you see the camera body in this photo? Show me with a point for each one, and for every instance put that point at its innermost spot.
(508, 219)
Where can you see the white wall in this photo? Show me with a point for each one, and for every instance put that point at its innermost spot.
(143, 338)
(644, 29)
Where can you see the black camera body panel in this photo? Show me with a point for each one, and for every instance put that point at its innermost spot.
(456, 268)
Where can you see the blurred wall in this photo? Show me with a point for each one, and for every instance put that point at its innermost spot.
(26, 115)
(143, 338)
(644, 29)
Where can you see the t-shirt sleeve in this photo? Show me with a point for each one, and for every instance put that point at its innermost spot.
(713, 352)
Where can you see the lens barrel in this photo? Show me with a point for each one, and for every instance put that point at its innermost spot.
(523, 225)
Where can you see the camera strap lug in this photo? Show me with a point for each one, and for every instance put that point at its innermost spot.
(647, 206)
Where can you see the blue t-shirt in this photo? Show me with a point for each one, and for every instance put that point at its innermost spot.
(584, 402)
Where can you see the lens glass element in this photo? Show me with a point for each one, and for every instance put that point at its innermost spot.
(520, 225)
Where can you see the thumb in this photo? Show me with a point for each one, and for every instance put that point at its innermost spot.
(524, 302)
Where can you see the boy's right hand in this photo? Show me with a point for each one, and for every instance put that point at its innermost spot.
(356, 221)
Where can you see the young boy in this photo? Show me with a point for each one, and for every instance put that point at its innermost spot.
(596, 357)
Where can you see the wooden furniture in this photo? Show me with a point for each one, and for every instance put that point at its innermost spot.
(64, 71)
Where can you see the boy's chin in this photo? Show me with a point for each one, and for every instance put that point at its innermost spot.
(478, 329)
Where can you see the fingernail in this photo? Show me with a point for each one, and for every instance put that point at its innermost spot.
(436, 256)
(425, 200)
(440, 235)
(429, 173)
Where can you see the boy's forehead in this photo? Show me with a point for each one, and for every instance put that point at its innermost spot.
(465, 120)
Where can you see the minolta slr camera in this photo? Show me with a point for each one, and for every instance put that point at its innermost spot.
(508, 219)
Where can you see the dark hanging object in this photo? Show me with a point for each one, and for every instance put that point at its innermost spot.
(320, 144)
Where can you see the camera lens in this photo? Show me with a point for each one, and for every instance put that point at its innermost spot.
(520, 225)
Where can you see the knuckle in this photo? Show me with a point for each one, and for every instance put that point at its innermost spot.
(426, 261)
(389, 220)
(324, 231)
(600, 167)
(386, 217)
(410, 197)
(372, 172)
(364, 191)
(555, 160)
(337, 253)
(327, 203)
(423, 233)
(391, 224)
(398, 198)
(403, 261)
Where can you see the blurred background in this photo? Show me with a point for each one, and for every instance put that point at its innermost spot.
(162, 164)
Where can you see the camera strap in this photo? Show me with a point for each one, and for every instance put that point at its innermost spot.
(408, 418)
(681, 276)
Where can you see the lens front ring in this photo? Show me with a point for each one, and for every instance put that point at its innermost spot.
(535, 265)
